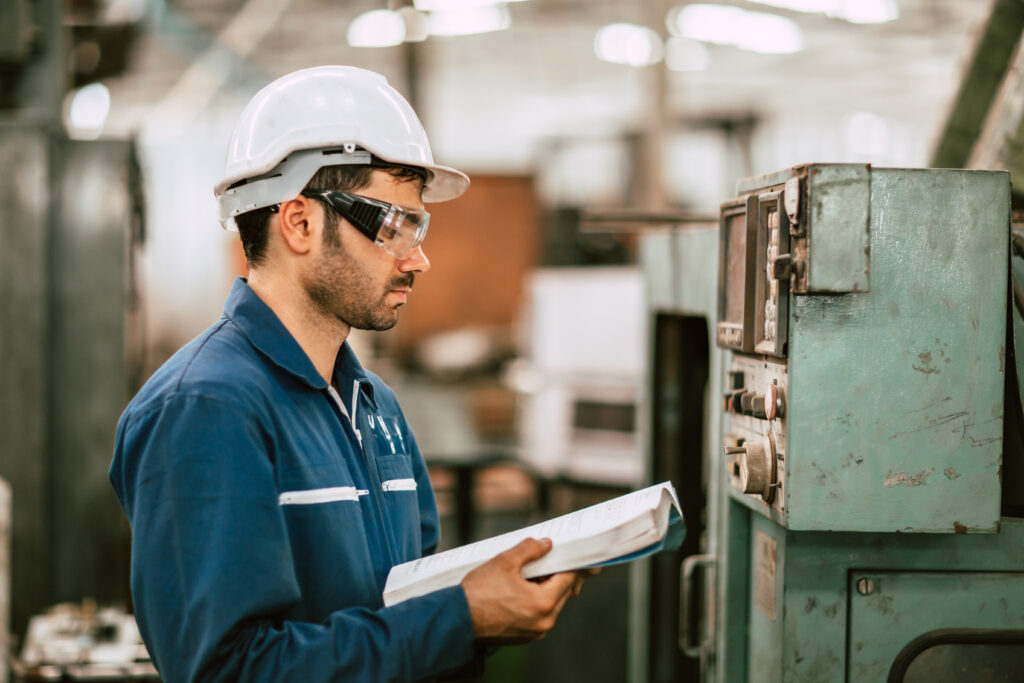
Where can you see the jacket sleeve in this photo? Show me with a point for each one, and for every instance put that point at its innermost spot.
(212, 571)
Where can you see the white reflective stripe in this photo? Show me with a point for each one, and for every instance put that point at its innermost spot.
(314, 496)
(399, 485)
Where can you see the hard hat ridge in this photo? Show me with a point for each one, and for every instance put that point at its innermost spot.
(324, 116)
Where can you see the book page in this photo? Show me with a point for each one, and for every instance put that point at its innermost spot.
(573, 526)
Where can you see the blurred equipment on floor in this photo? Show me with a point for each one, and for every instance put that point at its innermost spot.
(81, 642)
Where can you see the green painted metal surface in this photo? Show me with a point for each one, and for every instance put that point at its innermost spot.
(896, 395)
(897, 603)
(838, 226)
(816, 578)
(893, 423)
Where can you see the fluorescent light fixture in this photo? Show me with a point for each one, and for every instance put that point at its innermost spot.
(462, 22)
(683, 54)
(870, 11)
(855, 11)
(376, 28)
(449, 5)
(726, 25)
(628, 44)
(88, 111)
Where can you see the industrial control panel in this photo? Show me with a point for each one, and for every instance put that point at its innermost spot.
(864, 387)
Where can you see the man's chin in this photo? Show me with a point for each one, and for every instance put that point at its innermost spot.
(380, 324)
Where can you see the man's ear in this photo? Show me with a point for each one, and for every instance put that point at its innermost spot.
(296, 222)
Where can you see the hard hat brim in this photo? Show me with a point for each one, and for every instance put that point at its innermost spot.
(445, 183)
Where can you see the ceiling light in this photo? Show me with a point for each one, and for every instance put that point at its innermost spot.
(855, 11)
(870, 11)
(724, 25)
(683, 54)
(448, 5)
(88, 111)
(376, 28)
(461, 22)
(628, 44)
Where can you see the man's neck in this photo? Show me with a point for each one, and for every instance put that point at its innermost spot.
(318, 334)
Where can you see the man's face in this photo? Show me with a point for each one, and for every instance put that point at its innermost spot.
(353, 279)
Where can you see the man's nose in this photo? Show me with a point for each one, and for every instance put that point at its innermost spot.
(416, 262)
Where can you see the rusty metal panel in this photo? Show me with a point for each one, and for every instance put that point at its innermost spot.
(765, 607)
(838, 239)
(895, 396)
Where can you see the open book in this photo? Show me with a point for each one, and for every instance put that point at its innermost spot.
(618, 530)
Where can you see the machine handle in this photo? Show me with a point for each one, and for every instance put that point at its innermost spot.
(686, 599)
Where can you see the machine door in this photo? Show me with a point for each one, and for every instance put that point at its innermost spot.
(935, 626)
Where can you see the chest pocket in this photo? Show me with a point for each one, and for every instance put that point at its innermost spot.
(394, 464)
(401, 502)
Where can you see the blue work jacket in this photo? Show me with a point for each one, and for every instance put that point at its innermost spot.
(267, 509)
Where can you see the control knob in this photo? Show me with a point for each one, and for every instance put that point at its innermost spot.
(755, 466)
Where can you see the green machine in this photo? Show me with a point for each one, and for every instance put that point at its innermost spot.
(838, 391)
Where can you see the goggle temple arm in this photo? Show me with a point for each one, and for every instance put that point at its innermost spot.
(365, 216)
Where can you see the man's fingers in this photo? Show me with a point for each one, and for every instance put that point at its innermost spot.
(558, 585)
(527, 550)
(572, 589)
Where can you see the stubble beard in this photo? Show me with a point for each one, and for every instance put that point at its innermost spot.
(339, 287)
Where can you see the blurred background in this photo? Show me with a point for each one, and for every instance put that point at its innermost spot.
(521, 357)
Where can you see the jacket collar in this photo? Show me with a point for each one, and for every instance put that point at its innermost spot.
(268, 334)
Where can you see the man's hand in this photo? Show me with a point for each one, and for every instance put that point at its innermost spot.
(507, 608)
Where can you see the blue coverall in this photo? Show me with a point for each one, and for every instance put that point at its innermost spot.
(266, 510)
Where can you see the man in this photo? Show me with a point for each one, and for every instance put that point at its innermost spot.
(270, 480)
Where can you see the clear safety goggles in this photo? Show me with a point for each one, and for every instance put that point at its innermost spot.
(395, 229)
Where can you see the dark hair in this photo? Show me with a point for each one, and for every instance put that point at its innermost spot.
(253, 226)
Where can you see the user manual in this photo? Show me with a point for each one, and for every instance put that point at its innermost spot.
(618, 530)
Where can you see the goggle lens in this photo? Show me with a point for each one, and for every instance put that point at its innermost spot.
(402, 231)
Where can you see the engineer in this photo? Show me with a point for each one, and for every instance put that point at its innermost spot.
(271, 481)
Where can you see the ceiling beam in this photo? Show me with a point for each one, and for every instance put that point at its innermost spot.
(980, 84)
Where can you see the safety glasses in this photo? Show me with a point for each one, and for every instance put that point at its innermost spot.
(395, 229)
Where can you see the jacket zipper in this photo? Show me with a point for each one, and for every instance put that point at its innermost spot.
(326, 495)
(375, 483)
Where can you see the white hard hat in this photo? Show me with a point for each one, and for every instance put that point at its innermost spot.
(323, 116)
